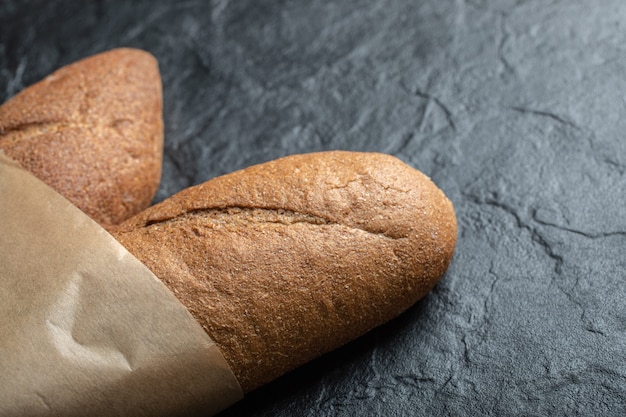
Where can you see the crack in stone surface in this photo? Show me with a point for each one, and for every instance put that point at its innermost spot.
(446, 111)
(582, 233)
(430, 99)
(504, 37)
(535, 236)
(544, 113)
(492, 287)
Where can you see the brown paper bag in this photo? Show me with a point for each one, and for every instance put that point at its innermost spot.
(85, 328)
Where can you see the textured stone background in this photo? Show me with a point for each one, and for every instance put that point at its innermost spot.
(516, 109)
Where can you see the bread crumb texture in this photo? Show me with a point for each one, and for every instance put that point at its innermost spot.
(284, 261)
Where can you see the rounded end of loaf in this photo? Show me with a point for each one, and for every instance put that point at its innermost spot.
(393, 237)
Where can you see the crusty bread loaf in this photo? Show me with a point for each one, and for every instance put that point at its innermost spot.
(93, 131)
(287, 260)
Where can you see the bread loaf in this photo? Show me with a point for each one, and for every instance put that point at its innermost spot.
(93, 131)
(284, 261)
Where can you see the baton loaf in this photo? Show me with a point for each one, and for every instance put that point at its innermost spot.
(286, 260)
(93, 131)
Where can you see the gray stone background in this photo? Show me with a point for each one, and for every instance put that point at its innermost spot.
(516, 109)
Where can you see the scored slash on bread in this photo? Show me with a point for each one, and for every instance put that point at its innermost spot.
(284, 261)
(93, 131)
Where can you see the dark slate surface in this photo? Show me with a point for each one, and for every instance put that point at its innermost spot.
(516, 109)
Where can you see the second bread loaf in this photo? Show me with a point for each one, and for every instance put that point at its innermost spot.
(93, 131)
(287, 260)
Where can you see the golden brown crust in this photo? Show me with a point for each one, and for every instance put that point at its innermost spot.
(287, 260)
(93, 131)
